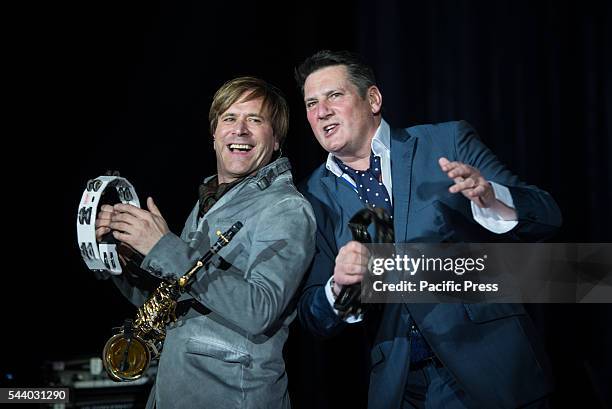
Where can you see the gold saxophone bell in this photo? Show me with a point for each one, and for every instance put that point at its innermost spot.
(126, 359)
(127, 355)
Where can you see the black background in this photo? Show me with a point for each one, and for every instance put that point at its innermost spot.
(127, 86)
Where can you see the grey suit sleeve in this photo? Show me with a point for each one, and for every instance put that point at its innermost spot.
(255, 292)
(131, 288)
(136, 282)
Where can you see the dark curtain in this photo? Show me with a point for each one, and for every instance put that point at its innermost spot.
(532, 77)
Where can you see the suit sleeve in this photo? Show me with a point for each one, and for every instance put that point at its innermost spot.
(136, 286)
(538, 214)
(136, 283)
(314, 311)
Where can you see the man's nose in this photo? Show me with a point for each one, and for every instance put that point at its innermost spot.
(323, 110)
(240, 127)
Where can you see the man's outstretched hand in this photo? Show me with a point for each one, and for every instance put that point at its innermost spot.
(475, 187)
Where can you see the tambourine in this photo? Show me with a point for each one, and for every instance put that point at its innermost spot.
(348, 301)
(103, 255)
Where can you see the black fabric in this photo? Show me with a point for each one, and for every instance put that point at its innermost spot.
(210, 192)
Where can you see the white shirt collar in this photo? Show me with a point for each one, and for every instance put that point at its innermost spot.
(381, 143)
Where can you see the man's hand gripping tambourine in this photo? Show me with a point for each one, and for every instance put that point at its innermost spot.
(348, 300)
(101, 253)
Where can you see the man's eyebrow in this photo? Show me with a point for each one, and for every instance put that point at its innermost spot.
(331, 91)
(248, 115)
(325, 93)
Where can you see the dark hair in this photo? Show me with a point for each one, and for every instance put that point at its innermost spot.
(360, 74)
(273, 100)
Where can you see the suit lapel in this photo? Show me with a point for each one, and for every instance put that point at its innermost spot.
(343, 194)
(402, 153)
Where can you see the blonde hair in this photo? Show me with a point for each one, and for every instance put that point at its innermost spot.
(273, 102)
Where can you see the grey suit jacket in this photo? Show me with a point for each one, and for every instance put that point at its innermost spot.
(227, 351)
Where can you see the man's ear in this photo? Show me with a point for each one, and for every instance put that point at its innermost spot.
(276, 142)
(374, 99)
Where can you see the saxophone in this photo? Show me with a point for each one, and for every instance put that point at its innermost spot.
(127, 354)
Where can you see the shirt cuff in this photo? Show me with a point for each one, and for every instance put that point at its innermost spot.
(351, 318)
(490, 219)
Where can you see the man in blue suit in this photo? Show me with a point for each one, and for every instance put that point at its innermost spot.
(440, 183)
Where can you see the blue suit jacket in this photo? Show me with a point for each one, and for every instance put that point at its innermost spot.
(489, 348)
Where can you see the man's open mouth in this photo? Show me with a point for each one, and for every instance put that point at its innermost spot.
(239, 147)
(329, 128)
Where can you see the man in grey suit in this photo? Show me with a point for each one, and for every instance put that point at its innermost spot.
(226, 349)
